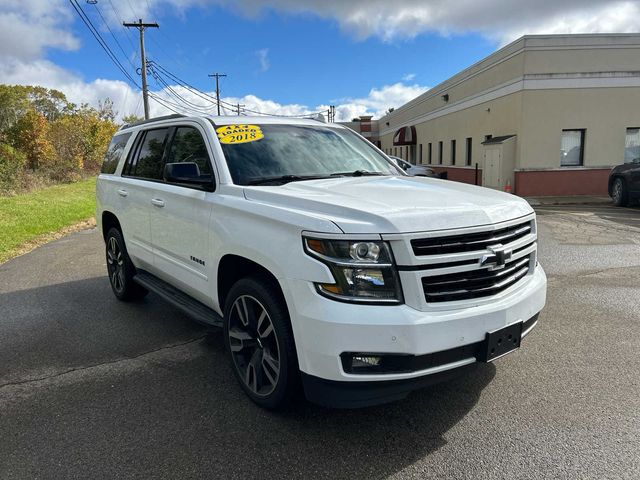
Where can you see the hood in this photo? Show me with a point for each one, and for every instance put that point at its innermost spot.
(393, 204)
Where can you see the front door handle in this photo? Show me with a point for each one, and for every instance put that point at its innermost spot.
(157, 202)
(122, 192)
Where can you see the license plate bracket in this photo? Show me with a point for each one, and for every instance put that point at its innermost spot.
(500, 342)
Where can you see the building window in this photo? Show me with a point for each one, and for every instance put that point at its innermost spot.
(453, 152)
(572, 148)
(468, 154)
(395, 151)
(632, 146)
(421, 154)
(429, 153)
(440, 153)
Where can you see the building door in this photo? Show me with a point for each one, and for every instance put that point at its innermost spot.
(491, 173)
(411, 157)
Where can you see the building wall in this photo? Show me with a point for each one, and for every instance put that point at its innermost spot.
(534, 88)
(605, 114)
(503, 118)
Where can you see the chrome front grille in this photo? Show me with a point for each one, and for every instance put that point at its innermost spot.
(474, 284)
(469, 242)
(475, 265)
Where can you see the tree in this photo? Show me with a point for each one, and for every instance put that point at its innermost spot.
(131, 118)
(81, 140)
(14, 103)
(50, 103)
(30, 135)
(43, 132)
(105, 110)
(12, 164)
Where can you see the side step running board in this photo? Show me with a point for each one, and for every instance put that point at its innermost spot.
(192, 307)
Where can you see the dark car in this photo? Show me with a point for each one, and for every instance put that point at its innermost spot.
(414, 170)
(624, 180)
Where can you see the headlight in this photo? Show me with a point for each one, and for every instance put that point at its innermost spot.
(364, 270)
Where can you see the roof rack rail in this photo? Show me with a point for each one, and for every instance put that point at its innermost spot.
(152, 120)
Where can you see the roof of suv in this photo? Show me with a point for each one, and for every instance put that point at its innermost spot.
(233, 119)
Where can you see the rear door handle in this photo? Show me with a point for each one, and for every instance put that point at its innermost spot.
(122, 192)
(157, 202)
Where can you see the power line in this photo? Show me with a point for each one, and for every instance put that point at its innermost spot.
(96, 34)
(163, 103)
(113, 35)
(189, 105)
(131, 8)
(129, 37)
(188, 86)
(164, 71)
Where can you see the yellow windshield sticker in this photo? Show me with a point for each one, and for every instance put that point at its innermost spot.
(232, 134)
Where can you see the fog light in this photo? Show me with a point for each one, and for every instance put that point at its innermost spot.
(360, 361)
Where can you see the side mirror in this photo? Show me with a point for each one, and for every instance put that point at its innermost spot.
(186, 173)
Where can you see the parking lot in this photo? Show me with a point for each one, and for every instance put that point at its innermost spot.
(94, 388)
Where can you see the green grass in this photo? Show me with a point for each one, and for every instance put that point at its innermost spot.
(34, 216)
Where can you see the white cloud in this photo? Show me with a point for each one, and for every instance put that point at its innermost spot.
(263, 58)
(28, 28)
(499, 20)
(127, 99)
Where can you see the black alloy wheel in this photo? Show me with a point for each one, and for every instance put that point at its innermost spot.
(120, 268)
(258, 336)
(254, 345)
(619, 193)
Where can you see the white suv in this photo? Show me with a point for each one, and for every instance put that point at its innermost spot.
(327, 267)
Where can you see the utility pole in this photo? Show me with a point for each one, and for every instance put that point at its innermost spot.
(331, 114)
(239, 106)
(145, 91)
(217, 75)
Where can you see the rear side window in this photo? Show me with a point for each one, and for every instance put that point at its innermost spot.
(114, 153)
(147, 163)
(188, 147)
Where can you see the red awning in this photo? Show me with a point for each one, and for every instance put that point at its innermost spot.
(405, 136)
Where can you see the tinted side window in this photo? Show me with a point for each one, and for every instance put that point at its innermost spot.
(114, 153)
(148, 163)
(188, 147)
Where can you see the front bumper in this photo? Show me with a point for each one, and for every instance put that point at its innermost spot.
(323, 329)
(334, 394)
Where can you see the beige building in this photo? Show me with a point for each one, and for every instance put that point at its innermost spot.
(367, 127)
(545, 115)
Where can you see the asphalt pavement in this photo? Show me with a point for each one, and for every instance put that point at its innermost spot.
(94, 388)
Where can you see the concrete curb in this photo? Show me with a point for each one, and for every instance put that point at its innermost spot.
(574, 200)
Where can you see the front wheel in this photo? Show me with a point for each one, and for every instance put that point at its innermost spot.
(619, 193)
(258, 336)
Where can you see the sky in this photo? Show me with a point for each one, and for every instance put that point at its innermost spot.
(286, 57)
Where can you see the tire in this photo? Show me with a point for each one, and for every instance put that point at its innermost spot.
(258, 337)
(619, 192)
(120, 269)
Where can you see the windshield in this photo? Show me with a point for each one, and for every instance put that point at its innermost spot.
(297, 152)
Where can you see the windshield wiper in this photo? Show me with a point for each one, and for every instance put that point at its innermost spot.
(357, 173)
(282, 179)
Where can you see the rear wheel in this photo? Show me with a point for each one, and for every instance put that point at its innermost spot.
(120, 269)
(258, 336)
(619, 193)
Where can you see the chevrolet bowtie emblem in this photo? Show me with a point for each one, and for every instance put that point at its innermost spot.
(497, 259)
